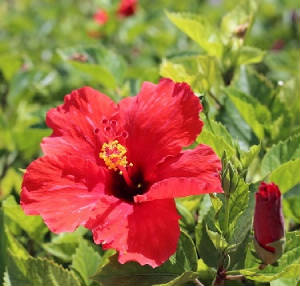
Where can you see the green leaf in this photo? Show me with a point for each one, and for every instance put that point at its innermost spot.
(234, 122)
(250, 55)
(202, 72)
(280, 153)
(179, 268)
(217, 239)
(217, 143)
(15, 246)
(102, 65)
(32, 225)
(286, 175)
(248, 156)
(206, 249)
(97, 73)
(64, 245)
(244, 221)
(200, 30)
(284, 282)
(249, 81)
(187, 220)
(237, 204)
(2, 246)
(206, 274)
(38, 272)
(85, 261)
(255, 114)
(217, 137)
(176, 72)
(12, 180)
(191, 203)
(291, 206)
(288, 264)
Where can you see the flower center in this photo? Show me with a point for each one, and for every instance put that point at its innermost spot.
(114, 155)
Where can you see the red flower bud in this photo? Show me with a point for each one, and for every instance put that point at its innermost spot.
(268, 223)
(127, 8)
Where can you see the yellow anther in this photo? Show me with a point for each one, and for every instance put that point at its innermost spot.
(114, 155)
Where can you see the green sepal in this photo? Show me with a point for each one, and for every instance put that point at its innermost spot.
(269, 257)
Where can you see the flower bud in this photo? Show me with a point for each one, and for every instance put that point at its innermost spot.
(268, 223)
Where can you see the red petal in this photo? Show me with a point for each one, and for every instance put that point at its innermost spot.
(146, 233)
(63, 190)
(76, 122)
(192, 172)
(160, 120)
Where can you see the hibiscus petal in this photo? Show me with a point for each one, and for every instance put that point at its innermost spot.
(78, 123)
(63, 190)
(192, 172)
(160, 120)
(146, 233)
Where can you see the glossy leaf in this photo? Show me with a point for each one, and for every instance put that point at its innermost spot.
(178, 269)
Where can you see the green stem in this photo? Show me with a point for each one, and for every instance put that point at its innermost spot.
(226, 222)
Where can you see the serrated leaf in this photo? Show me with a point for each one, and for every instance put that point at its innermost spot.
(216, 136)
(85, 261)
(248, 157)
(131, 273)
(38, 272)
(219, 129)
(286, 175)
(280, 153)
(288, 264)
(244, 222)
(32, 225)
(200, 30)
(256, 115)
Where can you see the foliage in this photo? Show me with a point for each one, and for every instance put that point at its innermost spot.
(240, 57)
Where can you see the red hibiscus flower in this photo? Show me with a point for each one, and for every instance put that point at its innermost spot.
(116, 168)
(127, 8)
(101, 17)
